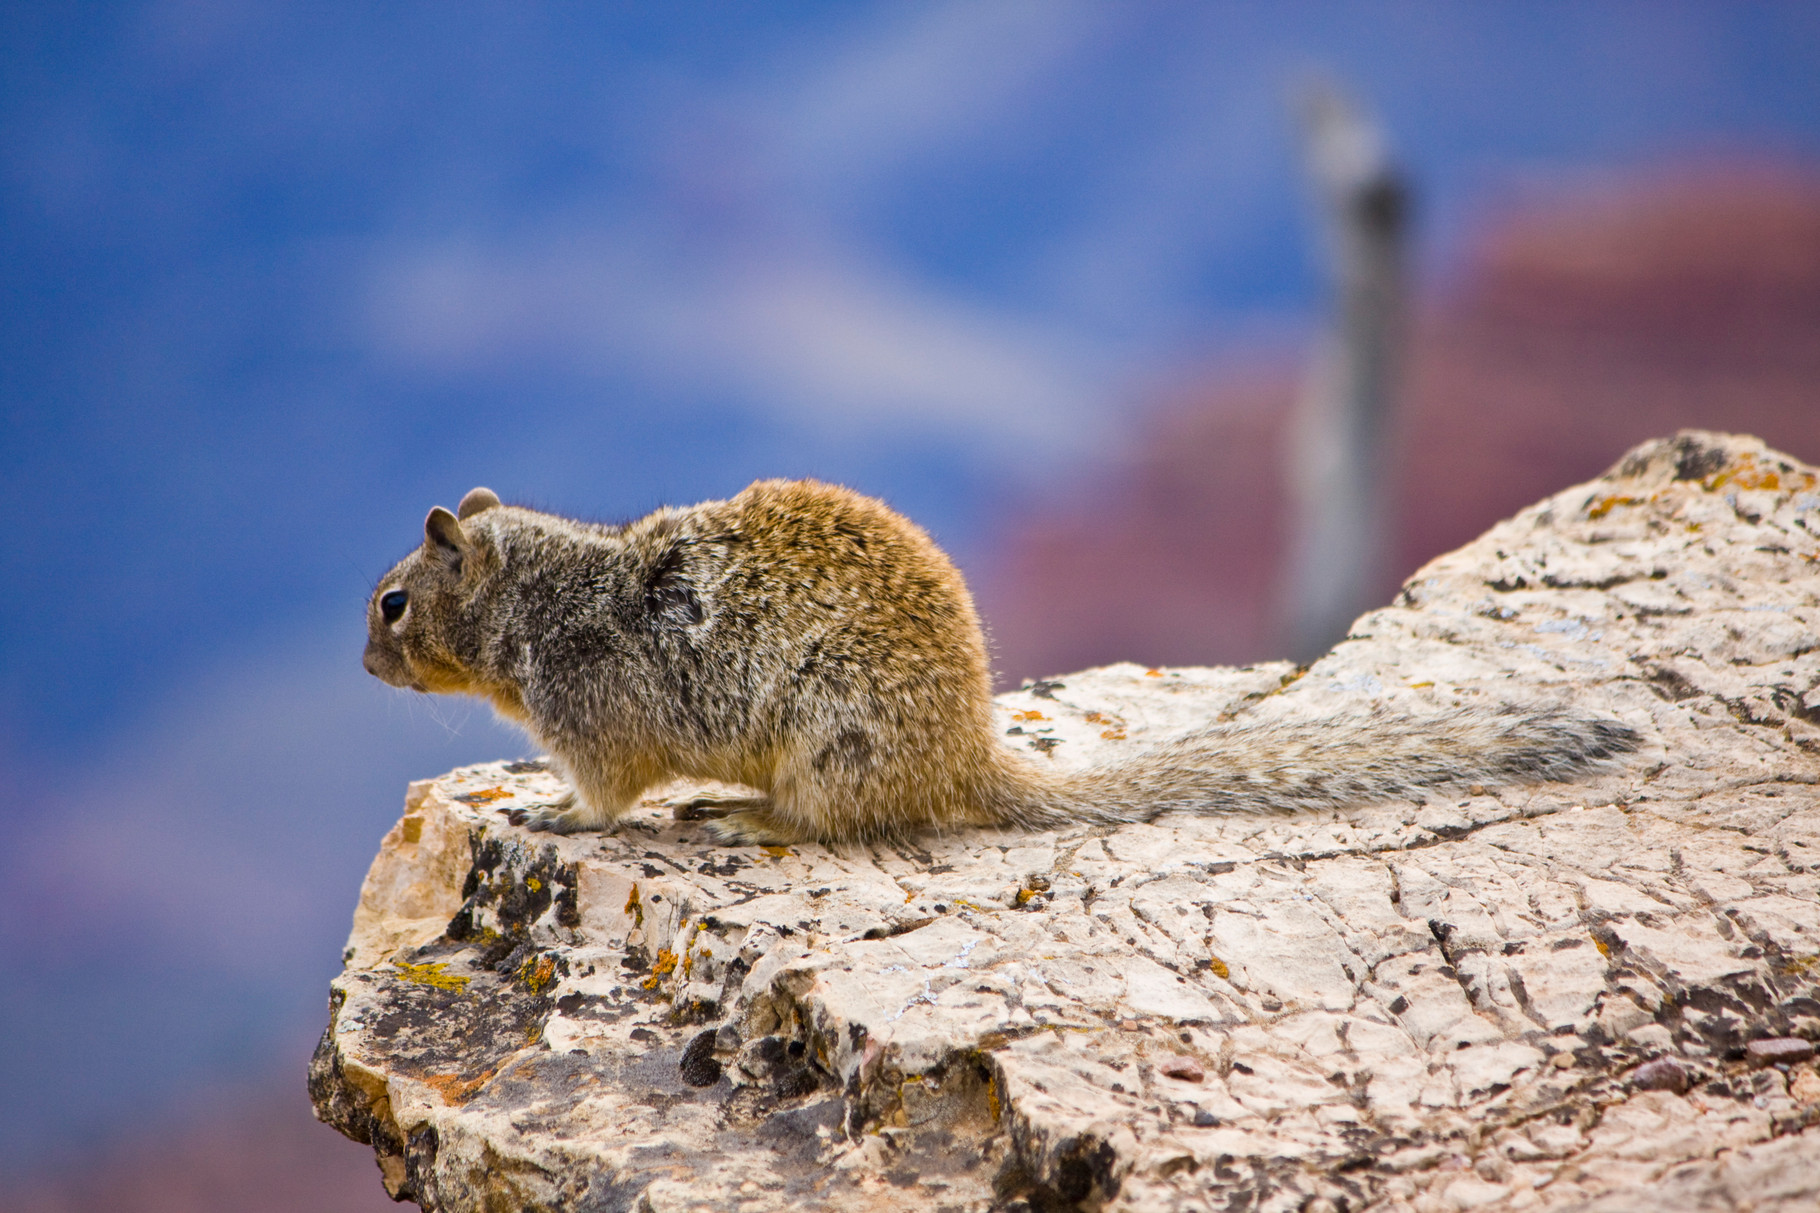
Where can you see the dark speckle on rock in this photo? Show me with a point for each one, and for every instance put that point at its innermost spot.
(699, 1069)
(1662, 1074)
(1185, 1068)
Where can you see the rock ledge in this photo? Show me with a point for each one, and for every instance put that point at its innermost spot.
(1599, 995)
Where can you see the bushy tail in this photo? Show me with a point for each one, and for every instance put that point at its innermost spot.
(1293, 765)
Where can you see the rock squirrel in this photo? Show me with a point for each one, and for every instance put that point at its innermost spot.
(811, 644)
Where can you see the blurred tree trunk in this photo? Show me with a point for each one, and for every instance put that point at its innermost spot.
(1337, 478)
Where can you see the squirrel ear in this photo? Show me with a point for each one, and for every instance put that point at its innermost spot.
(476, 501)
(442, 532)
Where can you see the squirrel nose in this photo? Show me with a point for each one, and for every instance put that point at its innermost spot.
(366, 663)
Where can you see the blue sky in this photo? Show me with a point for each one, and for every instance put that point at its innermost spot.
(281, 276)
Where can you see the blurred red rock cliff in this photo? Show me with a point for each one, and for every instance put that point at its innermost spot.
(1574, 328)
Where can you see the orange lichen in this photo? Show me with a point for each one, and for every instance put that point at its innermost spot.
(486, 795)
(1606, 505)
(537, 973)
(1032, 714)
(454, 1089)
(1748, 473)
(666, 964)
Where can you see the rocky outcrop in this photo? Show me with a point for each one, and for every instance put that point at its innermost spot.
(1595, 995)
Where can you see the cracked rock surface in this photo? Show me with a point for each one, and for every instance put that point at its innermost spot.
(1599, 995)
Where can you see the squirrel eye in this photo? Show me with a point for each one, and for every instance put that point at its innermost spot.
(391, 606)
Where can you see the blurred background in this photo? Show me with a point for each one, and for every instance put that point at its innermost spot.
(1044, 275)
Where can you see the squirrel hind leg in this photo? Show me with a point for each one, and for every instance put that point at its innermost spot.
(752, 827)
(702, 806)
(736, 819)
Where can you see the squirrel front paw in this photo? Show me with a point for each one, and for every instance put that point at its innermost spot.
(554, 820)
(564, 815)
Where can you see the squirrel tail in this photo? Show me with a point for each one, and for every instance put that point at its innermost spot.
(1290, 766)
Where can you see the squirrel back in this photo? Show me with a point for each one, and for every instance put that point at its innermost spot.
(817, 647)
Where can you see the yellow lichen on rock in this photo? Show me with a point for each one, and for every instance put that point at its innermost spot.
(433, 974)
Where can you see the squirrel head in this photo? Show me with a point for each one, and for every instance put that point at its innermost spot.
(425, 620)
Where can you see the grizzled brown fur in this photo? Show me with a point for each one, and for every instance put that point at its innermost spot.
(811, 644)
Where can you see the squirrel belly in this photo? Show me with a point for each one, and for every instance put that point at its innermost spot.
(813, 645)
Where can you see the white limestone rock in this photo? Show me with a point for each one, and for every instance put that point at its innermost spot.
(1420, 1005)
